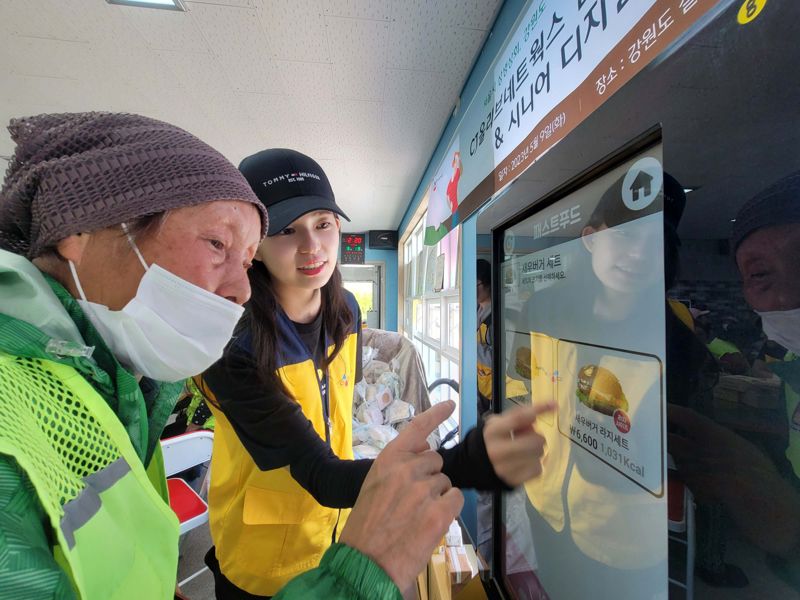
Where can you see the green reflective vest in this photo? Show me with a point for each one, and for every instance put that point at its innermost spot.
(114, 535)
(789, 371)
(719, 348)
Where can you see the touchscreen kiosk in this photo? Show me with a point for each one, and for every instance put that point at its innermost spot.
(663, 320)
(582, 303)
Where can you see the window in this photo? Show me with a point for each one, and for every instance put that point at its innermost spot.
(433, 329)
(453, 324)
(431, 305)
(363, 291)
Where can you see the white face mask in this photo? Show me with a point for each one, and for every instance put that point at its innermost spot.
(170, 330)
(782, 326)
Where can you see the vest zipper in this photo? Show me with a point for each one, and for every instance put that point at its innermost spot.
(322, 379)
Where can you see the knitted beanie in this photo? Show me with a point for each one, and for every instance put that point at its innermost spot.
(778, 204)
(80, 172)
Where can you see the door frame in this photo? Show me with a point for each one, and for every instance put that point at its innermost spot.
(381, 265)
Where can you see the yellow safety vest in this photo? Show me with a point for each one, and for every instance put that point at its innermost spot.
(485, 357)
(265, 526)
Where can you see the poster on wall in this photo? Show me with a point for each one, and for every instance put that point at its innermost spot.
(443, 197)
(561, 63)
(430, 270)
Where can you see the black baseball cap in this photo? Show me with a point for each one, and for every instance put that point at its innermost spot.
(290, 184)
(611, 211)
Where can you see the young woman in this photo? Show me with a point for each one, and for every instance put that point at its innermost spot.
(283, 472)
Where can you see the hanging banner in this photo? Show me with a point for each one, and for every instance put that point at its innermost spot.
(443, 197)
(564, 60)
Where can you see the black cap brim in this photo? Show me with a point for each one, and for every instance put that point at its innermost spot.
(284, 213)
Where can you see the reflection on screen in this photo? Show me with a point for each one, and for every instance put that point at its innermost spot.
(585, 279)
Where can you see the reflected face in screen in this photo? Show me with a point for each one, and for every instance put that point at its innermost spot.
(768, 261)
(626, 258)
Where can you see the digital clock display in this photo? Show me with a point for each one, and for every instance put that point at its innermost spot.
(352, 248)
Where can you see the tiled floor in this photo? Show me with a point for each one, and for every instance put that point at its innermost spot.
(194, 546)
(760, 576)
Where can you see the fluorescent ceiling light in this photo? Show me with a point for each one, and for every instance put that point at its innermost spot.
(167, 4)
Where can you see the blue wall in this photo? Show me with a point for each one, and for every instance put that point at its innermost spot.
(389, 257)
(469, 356)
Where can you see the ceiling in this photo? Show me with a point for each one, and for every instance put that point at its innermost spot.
(364, 87)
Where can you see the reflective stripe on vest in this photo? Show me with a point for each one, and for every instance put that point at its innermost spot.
(116, 538)
(78, 511)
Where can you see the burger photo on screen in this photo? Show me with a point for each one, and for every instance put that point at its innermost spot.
(600, 390)
(522, 363)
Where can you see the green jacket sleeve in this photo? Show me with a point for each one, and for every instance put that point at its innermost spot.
(28, 570)
(343, 573)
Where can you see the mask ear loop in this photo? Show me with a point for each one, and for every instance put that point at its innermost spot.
(76, 280)
(133, 245)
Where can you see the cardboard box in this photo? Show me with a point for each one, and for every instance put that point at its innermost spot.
(476, 562)
(422, 586)
(438, 578)
(457, 565)
(473, 590)
(439, 575)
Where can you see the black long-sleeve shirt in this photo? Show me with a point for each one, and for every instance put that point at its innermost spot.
(276, 433)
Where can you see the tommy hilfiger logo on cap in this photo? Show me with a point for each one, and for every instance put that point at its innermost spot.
(290, 184)
(291, 177)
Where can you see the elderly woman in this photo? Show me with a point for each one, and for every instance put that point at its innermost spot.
(124, 246)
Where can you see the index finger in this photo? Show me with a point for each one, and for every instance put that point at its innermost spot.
(522, 417)
(414, 438)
